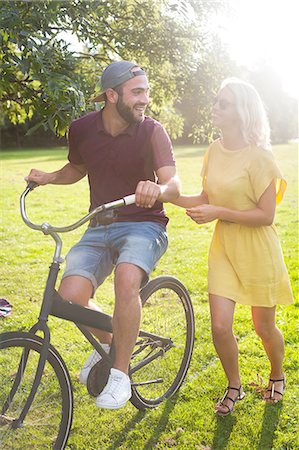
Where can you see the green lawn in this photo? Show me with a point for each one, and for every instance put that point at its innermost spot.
(187, 421)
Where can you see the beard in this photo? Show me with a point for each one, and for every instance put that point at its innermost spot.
(126, 112)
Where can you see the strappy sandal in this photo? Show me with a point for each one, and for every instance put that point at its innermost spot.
(273, 391)
(240, 396)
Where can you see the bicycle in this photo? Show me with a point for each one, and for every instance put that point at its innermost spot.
(36, 394)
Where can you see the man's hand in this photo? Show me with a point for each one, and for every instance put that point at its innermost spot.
(68, 174)
(147, 193)
(39, 177)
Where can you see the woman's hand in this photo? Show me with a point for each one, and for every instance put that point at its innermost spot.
(203, 213)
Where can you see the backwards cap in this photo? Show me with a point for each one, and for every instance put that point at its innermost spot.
(115, 74)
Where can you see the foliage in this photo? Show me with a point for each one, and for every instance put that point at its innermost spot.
(36, 67)
(172, 120)
(44, 81)
(44, 84)
(282, 109)
(212, 67)
(187, 422)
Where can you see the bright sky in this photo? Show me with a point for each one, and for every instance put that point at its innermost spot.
(265, 30)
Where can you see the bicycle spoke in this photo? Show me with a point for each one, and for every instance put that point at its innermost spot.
(159, 366)
(43, 423)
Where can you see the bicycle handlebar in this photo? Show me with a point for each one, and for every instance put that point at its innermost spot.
(46, 228)
(32, 185)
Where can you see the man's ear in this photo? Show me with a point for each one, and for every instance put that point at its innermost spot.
(112, 96)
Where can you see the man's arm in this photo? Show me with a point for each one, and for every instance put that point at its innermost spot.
(169, 183)
(69, 174)
(168, 189)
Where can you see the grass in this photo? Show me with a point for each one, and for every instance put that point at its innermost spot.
(186, 421)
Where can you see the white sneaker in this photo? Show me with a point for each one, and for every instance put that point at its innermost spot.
(116, 392)
(93, 358)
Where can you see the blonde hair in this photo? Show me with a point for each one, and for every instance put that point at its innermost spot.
(254, 121)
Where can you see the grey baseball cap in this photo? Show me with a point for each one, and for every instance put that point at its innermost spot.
(115, 74)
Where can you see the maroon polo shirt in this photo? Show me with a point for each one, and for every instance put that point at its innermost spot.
(116, 164)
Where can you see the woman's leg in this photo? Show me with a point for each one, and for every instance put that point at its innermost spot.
(272, 339)
(222, 316)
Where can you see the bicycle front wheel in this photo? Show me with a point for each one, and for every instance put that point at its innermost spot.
(48, 421)
(162, 363)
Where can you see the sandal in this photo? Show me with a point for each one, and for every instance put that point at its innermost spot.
(240, 396)
(272, 390)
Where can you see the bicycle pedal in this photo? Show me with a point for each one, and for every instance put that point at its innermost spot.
(98, 377)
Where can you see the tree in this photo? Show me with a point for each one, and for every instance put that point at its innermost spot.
(281, 108)
(36, 67)
(212, 67)
(44, 84)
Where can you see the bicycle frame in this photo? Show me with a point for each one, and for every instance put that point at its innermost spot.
(53, 304)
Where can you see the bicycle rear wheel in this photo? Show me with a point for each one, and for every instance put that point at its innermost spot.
(48, 421)
(167, 312)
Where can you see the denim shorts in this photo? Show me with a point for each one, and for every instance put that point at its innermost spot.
(103, 247)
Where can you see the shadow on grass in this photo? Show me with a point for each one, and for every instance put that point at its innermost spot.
(161, 424)
(156, 432)
(123, 434)
(223, 429)
(269, 425)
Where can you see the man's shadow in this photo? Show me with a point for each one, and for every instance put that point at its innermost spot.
(153, 439)
(122, 435)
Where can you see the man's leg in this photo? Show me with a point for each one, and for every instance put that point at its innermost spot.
(127, 313)
(138, 246)
(125, 324)
(79, 290)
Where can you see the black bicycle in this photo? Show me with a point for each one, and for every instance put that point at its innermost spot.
(36, 395)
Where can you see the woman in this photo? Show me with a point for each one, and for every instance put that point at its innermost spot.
(241, 186)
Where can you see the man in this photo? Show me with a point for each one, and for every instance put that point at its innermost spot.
(122, 151)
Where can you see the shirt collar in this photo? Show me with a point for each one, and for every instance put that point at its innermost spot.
(130, 130)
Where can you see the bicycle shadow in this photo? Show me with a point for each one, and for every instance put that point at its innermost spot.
(223, 429)
(160, 426)
(270, 422)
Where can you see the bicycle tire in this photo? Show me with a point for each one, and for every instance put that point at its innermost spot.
(168, 312)
(49, 419)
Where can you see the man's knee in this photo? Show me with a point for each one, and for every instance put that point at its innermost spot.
(128, 278)
(76, 289)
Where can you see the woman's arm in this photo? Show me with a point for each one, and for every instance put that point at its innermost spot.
(189, 201)
(262, 215)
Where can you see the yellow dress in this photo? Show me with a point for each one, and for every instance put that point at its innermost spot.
(246, 263)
